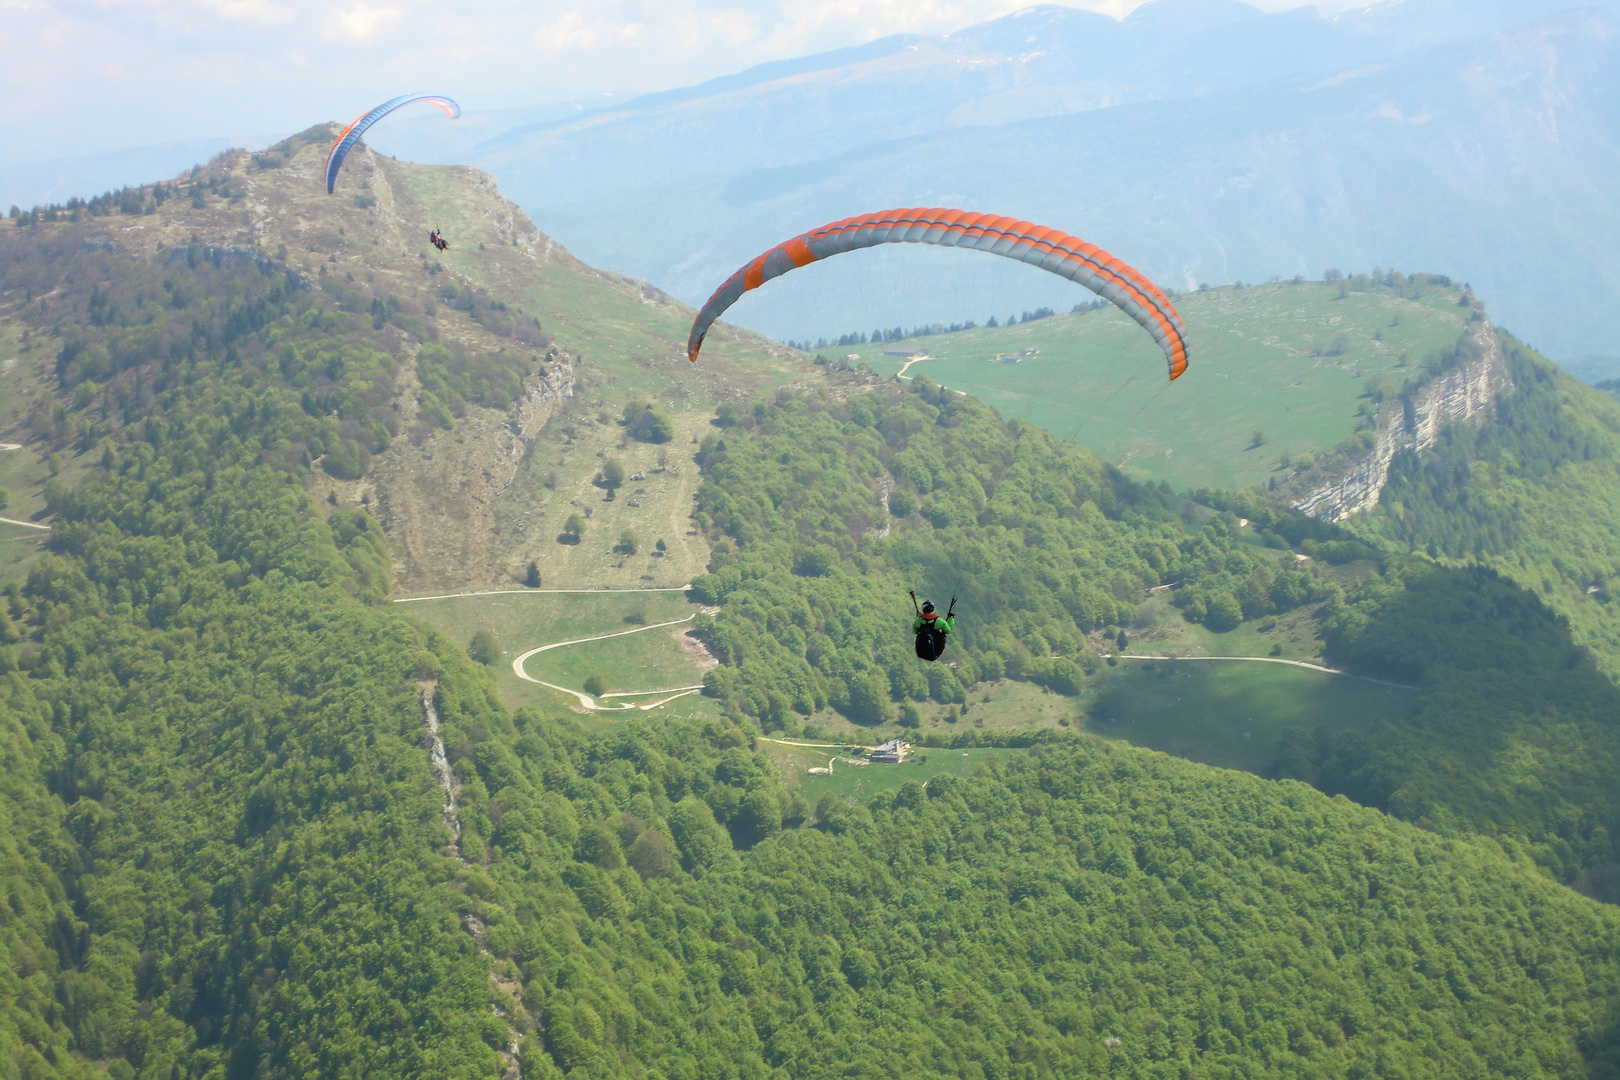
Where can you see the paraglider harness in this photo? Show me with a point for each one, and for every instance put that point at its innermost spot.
(438, 240)
(931, 638)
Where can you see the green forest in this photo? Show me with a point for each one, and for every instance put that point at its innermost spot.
(930, 491)
(1043, 543)
(225, 852)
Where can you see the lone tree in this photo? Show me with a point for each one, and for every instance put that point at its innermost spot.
(532, 578)
(629, 542)
(595, 685)
(612, 474)
(659, 546)
(484, 648)
(574, 528)
(1257, 439)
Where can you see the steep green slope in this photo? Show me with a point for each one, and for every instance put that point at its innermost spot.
(838, 508)
(1513, 735)
(224, 854)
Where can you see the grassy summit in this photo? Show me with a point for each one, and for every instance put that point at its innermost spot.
(1292, 360)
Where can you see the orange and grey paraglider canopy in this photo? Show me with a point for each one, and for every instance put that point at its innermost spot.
(1050, 249)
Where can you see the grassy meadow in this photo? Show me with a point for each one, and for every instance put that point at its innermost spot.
(649, 659)
(1230, 714)
(858, 783)
(631, 343)
(1291, 360)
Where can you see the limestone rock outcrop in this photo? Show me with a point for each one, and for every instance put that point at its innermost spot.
(1465, 392)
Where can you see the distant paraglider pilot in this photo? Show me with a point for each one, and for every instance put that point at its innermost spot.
(932, 628)
(437, 240)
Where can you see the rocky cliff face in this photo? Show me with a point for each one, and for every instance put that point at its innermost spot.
(1463, 393)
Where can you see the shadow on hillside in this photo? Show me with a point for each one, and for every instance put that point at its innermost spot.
(1514, 734)
(1602, 1055)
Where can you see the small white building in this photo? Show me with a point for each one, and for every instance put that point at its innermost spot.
(892, 752)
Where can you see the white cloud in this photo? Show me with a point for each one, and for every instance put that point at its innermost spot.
(575, 31)
(259, 12)
(362, 22)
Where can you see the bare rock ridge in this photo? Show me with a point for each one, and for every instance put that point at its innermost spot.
(1465, 392)
(441, 767)
(508, 998)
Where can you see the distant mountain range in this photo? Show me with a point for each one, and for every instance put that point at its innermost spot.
(1201, 139)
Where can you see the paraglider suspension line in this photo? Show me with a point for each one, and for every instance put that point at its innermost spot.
(1150, 400)
(1086, 419)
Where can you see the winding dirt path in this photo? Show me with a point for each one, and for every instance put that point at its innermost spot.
(914, 360)
(585, 700)
(24, 524)
(812, 745)
(1307, 665)
(524, 592)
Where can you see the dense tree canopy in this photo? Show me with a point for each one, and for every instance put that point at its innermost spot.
(224, 851)
(828, 511)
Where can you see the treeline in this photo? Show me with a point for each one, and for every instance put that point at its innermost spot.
(203, 182)
(143, 200)
(900, 333)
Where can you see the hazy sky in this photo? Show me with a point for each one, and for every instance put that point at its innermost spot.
(88, 76)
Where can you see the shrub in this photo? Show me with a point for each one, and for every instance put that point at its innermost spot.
(646, 423)
(484, 648)
(1222, 612)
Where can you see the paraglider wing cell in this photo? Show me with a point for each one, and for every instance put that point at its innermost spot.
(351, 134)
(1050, 249)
